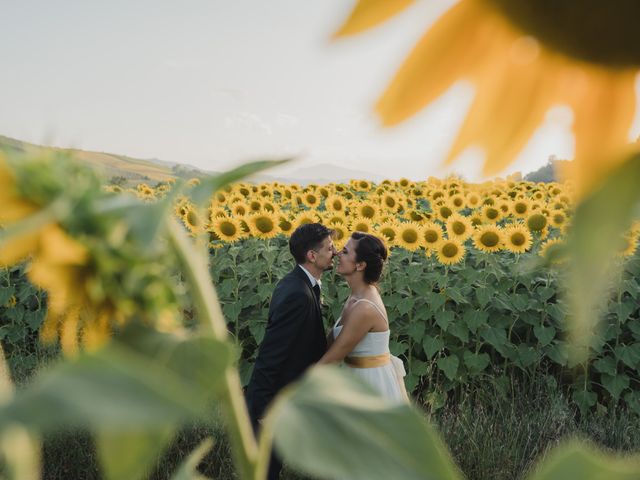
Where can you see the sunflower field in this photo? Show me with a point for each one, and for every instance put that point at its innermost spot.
(472, 285)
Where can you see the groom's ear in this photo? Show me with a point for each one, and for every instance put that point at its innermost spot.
(310, 256)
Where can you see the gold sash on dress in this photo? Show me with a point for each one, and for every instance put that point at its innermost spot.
(369, 361)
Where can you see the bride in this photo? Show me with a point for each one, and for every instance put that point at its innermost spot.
(360, 337)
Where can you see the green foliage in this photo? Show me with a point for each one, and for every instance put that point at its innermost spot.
(456, 326)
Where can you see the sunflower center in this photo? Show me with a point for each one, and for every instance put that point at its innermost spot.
(489, 239)
(537, 222)
(518, 239)
(390, 202)
(458, 228)
(492, 213)
(264, 224)
(337, 205)
(192, 218)
(449, 250)
(228, 229)
(389, 233)
(431, 236)
(445, 212)
(410, 236)
(367, 211)
(520, 208)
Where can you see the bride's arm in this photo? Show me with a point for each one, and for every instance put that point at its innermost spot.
(352, 333)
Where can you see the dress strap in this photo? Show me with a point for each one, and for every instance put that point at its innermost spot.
(375, 306)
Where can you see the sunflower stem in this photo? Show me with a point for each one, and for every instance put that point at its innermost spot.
(250, 464)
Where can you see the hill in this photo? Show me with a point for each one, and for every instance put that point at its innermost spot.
(109, 165)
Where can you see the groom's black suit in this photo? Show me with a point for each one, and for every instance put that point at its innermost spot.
(294, 340)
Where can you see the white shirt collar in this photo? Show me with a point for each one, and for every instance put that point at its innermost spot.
(314, 281)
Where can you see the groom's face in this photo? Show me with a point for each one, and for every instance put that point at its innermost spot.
(324, 255)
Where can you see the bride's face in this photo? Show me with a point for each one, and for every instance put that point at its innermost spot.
(347, 259)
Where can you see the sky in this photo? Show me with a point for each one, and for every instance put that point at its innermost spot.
(214, 83)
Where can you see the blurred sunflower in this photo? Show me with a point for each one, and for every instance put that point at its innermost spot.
(335, 218)
(553, 250)
(226, 229)
(558, 218)
(409, 236)
(517, 238)
(476, 219)
(459, 226)
(472, 200)
(389, 201)
(627, 245)
(432, 233)
(450, 251)
(488, 238)
(263, 225)
(216, 212)
(404, 183)
(415, 215)
(523, 57)
(324, 192)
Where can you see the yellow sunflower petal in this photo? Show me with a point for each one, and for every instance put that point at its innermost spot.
(369, 13)
(441, 56)
(18, 248)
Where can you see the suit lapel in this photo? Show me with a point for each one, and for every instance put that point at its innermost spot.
(305, 278)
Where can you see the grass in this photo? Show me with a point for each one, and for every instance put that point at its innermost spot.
(491, 435)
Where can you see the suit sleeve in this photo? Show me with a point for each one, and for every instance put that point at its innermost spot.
(287, 319)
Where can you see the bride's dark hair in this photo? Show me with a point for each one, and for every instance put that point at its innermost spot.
(370, 249)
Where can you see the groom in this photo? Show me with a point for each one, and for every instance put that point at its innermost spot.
(295, 336)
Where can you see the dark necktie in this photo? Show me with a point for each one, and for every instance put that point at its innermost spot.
(316, 290)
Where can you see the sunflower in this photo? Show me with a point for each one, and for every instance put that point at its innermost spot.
(553, 250)
(192, 220)
(409, 236)
(473, 200)
(304, 217)
(389, 201)
(285, 225)
(476, 219)
(335, 218)
(335, 203)
(389, 230)
(404, 183)
(415, 215)
(216, 212)
(627, 245)
(324, 192)
(457, 201)
(362, 225)
(450, 251)
(239, 208)
(311, 199)
(443, 211)
(521, 207)
(255, 206)
(537, 222)
(517, 238)
(263, 225)
(361, 185)
(431, 234)
(558, 218)
(226, 229)
(365, 210)
(340, 235)
(459, 227)
(491, 214)
(488, 238)
(522, 57)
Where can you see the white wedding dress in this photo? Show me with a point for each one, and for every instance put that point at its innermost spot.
(387, 379)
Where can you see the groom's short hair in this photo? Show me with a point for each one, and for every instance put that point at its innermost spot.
(307, 237)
